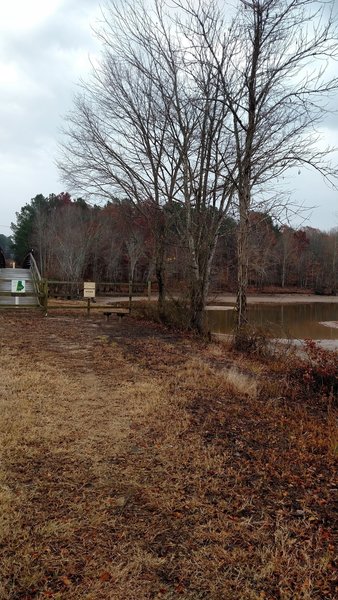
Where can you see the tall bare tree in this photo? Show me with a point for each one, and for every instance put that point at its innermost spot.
(116, 139)
(188, 109)
(273, 63)
(197, 128)
(150, 127)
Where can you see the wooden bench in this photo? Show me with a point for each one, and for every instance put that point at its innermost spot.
(119, 312)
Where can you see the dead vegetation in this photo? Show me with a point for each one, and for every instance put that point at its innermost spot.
(138, 464)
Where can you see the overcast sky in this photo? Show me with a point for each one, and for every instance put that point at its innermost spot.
(45, 47)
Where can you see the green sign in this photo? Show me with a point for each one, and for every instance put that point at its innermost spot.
(18, 286)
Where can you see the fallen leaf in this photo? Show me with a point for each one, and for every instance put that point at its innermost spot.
(120, 502)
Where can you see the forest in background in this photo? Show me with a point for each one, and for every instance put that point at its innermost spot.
(73, 240)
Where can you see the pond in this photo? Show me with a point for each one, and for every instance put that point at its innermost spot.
(292, 321)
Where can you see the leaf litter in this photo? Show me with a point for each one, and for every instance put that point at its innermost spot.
(134, 467)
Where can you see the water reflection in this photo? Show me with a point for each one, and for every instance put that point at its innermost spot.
(294, 321)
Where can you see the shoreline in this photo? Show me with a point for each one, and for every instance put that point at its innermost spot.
(223, 300)
(275, 299)
(326, 344)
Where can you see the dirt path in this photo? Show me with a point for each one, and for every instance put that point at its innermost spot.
(133, 468)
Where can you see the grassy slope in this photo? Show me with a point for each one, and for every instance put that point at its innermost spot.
(135, 466)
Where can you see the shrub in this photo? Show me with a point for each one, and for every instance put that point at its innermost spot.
(175, 313)
(254, 340)
(320, 369)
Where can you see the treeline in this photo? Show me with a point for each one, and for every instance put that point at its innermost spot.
(73, 240)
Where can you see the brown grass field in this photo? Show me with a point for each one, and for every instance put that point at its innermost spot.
(138, 463)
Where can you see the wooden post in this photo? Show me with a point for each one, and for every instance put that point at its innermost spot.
(89, 288)
(149, 290)
(45, 295)
(130, 295)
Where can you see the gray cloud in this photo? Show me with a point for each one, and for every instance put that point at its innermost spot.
(39, 70)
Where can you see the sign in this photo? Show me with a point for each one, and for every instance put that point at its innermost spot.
(18, 286)
(89, 289)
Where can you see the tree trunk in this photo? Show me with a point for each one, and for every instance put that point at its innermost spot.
(283, 270)
(197, 306)
(160, 278)
(334, 268)
(200, 285)
(243, 260)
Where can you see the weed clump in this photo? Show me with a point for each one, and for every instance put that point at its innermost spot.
(319, 369)
(256, 341)
(174, 314)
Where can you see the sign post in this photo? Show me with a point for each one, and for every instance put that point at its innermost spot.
(89, 288)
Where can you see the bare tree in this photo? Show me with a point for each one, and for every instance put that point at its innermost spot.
(188, 109)
(150, 127)
(334, 260)
(205, 146)
(287, 252)
(273, 64)
(262, 243)
(135, 251)
(116, 138)
(110, 242)
(71, 242)
(201, 144)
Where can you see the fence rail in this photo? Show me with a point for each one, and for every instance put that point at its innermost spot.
(73, 290)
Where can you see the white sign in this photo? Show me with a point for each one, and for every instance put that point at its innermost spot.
(89, 289)
(18, 286)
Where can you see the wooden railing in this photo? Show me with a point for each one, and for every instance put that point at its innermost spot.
(40, 284)
(74, 289)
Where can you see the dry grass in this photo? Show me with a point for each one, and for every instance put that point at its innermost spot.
(231, 380)
(136, 465)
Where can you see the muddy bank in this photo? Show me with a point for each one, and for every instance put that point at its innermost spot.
(326, 344)
(274, 298)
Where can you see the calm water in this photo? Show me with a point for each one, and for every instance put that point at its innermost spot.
(284, 320)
